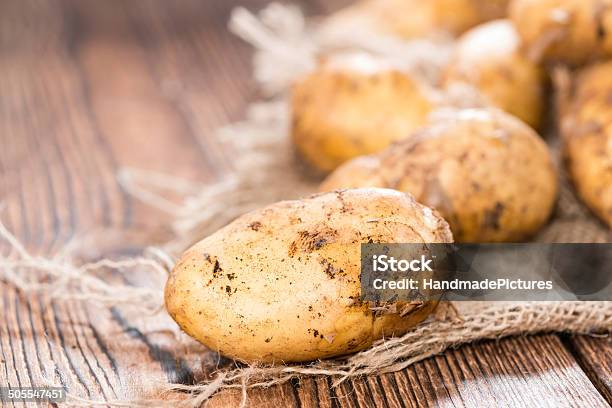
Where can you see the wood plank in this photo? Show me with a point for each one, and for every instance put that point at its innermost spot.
(58, 181)
(594, 354)
(127, 100)
(514, 372)
(87, 87)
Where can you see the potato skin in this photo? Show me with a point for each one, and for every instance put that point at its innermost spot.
(418, 18)
(586, 128)
(488, 58)
(487, 173)
(342, 112)
(569, 31)
(282, 283)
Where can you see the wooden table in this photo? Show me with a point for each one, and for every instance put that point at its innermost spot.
(87, 87)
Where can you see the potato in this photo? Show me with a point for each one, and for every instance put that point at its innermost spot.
(281, 284)
(351, 106)
(569, 31)
(416, 18)
(488, 58)
(487, 173)
(586, 127)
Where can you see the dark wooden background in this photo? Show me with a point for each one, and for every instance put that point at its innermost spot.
(89, 86)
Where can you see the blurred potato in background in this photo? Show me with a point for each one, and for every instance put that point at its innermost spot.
(488, 58)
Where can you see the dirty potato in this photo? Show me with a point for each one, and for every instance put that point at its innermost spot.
(487, 173)
(488, 59)
(354, 105)
(415, 18)
(569, 31)
(281, 284)
(587, 134)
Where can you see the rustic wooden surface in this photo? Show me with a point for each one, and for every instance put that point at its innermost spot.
(87, 87)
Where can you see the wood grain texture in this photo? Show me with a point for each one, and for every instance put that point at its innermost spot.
(594, 354)
(87, 87)
(519, 372)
